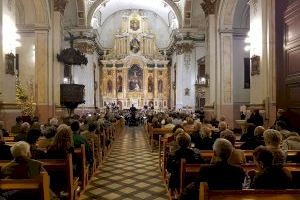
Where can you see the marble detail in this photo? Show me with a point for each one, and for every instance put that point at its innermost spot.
(60, 5)
(85, 47)
(209, 7)
(184, 47)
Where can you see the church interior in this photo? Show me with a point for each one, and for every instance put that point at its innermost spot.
(150, 99)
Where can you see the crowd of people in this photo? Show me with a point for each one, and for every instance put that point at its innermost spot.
(53, 140)
(225, 172)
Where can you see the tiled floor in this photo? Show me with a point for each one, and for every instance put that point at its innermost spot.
(129, 173)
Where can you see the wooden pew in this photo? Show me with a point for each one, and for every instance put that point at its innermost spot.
(80, 154)
(9, 139)
(62, 165)
(41, 183)
(192, 170)
(206, 194)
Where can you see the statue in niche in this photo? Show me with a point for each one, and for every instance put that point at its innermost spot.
(134, 45)
(120, 84)
(160, 86)
(135, 78)
(10, 63)
(109, 86)
(134, 24)
(150, 84)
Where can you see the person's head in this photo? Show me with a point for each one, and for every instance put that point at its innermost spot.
(177, 127)
(20, 150)
(169, 120)
(92, 127)
(33, 136)
(259, 131)
(178, 131)
(250, 130)
(280, 112)
(19, 120)
(75, 126)
(63, 139)
(53, 122)
(25, 127)
(197, 126)
(263, 157)
(189, 120)
(205, 132)
(222, 149)
(154, 120)
(256, 111)
(183, 140)
(50, 133)
(272, 138)
(222, 119)
(281, 125)
(228, 135)
(222, 126)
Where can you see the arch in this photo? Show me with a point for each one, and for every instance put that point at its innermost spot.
(97, 3)
(150, 84)
(160, 86)
(120, 84)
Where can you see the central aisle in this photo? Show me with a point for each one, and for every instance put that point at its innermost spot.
(130, 171)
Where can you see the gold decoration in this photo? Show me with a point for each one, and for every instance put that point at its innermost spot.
(60, 5)
(184, 48)
(24, 100)
(85, 47)
(209, 7)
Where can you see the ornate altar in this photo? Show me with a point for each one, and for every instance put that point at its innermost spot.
(135, 71)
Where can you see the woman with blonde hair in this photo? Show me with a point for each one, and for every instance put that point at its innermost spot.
(62, 143)
(273, 140)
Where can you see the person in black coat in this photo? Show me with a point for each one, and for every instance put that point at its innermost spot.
(256, 118)
(220, 176)
(184, 152)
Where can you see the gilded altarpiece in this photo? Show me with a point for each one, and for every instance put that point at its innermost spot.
(135, 71)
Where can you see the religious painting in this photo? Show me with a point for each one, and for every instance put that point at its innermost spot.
(134, 24)
(150, 84)
(160, 86)
(10, 63)
(120, 84)
(135, 45)
(255, 65)
(135, 78)
(109, 86)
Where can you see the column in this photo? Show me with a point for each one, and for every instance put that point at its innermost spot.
(43, 107)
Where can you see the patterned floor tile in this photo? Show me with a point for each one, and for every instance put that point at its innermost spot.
(130, 172)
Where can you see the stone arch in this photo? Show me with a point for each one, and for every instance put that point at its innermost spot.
(231, 16)
(97, 3)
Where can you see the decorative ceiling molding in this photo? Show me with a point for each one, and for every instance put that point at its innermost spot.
(60, 5)
(209, 7)
(85, 47)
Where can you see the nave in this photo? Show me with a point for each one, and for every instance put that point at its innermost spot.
(130, 172)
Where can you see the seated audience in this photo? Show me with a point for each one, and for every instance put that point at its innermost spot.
(168, 123)
(222, 127)
(206, 142)
(220, 176)
(292, 142)
(16, 129)
(174, 159)
(214, 122)
(237, 156)
(273, 139)
(5, 153)
(22, 167)
(249, 134)
(189, 123)
(32, 138)
(156, 123)
(92, 138)
(257, 140)
(281, 126)
(196, 134)
(269, 176)
(22, 135)
(78, 140)
(3, 131)
(45, 141)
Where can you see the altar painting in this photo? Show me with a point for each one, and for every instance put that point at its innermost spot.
(135, 78)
